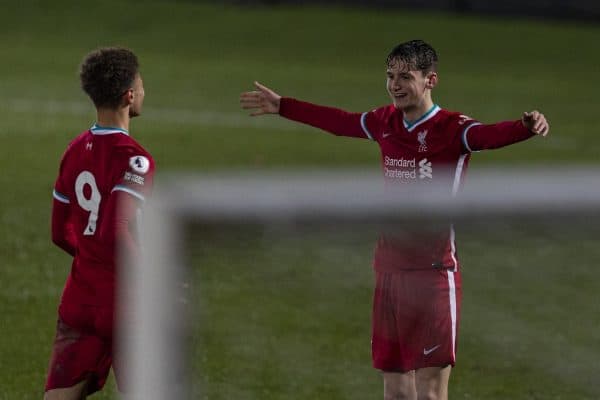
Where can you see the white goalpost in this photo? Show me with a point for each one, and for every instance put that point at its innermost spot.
(155, 327)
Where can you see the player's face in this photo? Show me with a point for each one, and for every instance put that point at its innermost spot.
(135, 107)
(407, 88)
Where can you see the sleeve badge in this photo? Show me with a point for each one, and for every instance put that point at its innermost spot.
(139, 164)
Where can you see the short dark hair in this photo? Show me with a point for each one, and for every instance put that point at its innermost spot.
(416, 54)
(107, 73)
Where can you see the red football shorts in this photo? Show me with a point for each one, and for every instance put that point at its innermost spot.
(415, 319)
(82, 347)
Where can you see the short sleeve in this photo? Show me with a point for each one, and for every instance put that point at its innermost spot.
(61, 191)
(136, 173)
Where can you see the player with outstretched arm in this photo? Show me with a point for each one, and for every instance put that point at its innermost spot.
(417, 297)
(104, 178)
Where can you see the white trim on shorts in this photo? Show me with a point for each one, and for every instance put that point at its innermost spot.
(453, 316)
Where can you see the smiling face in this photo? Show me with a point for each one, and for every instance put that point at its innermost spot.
(408, 88)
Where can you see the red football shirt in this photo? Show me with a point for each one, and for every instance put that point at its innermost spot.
(98, 164)
(436, 147)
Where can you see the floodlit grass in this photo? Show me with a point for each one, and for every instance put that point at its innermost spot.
(279, 315)
(196, 59)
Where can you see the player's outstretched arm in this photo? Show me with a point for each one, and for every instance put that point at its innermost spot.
(486, 137)
(535, 122)
(333, 120)
(261, 101)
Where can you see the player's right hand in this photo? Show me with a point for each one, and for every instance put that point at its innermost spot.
(261, 101)
(536, 122)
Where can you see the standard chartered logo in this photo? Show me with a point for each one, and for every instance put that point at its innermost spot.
(425, 169)
(406, 169)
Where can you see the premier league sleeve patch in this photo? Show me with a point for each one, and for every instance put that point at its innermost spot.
(139, 164)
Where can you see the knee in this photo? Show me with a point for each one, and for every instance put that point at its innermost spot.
(429, 394)
(399, 394)
(399, 386)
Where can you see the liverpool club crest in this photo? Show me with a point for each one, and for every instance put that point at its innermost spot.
(421, 136)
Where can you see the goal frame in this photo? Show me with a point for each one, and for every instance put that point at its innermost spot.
(151, 336)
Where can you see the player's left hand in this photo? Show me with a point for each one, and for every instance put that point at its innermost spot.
(536, 122)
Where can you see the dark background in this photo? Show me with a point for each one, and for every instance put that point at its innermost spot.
(562, 9)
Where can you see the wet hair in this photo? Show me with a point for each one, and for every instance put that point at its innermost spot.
(416, 54)
(107, 73)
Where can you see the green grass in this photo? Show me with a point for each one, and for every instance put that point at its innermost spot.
(196, 58)
(276, 310)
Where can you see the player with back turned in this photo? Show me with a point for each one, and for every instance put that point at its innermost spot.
(104, 177)
(416, 303)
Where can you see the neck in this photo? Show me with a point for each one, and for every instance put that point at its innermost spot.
(412, 114)
(118, 118)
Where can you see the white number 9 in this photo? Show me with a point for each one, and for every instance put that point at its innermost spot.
(92, 204)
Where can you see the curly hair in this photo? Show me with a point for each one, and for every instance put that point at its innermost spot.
(107, 73)
(416, 54)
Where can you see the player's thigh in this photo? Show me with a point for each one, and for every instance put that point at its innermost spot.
(432, 383)
(76, 392)
(415, 319)
(399, 385)
(393, 316)
(78, 357)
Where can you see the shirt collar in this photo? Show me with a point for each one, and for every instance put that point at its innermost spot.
(425, 117)
(107, 130)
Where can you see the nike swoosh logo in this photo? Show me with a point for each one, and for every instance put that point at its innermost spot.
(431, 350)
(386, 135)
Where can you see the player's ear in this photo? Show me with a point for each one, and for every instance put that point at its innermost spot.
(432, 80)
(128, 97)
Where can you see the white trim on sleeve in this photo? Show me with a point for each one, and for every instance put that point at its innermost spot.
(60, 197)
(130, 191)
(363, 124)
(464, 137)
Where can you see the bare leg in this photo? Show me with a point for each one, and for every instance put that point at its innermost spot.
(399, 386)
(75, 392)
(432, 383)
